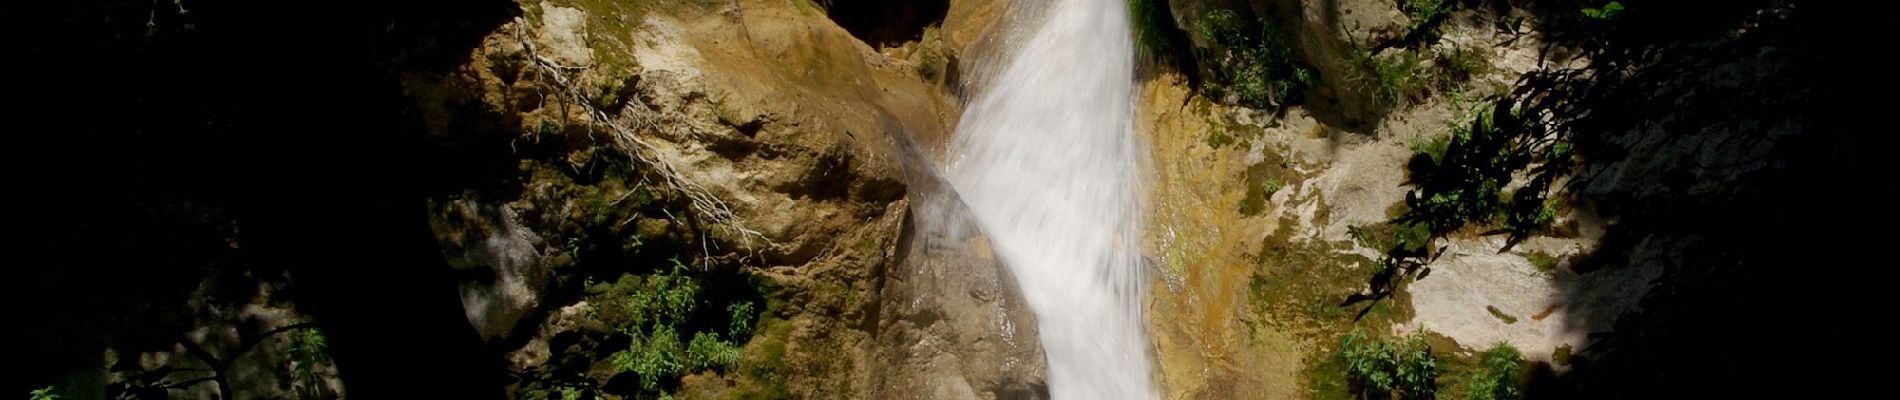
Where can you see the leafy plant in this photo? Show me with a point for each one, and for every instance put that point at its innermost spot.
(742, 316)
(1389, 367)
(660, 311)
(1425, 14)
(573, 247)
(1392, 80)
(1607, 11)
(309, 350)
(1496, 378)
(45, 393)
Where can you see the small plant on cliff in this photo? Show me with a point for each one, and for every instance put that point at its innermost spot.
(309, 350)
(1496, 379)
(1252, 60)
(45, 393)
(661, 311)
(1389, 368)
(1607, 11)
(1424, 14)
(1389, 81)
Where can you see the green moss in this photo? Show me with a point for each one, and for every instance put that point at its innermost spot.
(762, 370)
(1543, 261)
(1300, 286)
(1263, 180)
(1218, 138)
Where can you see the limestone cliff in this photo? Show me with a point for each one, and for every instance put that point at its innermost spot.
(765, 138)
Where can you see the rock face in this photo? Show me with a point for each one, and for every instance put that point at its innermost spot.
(771, 133)
(952, 325)
(501, 260)
(1326, 33)
(1255, 217)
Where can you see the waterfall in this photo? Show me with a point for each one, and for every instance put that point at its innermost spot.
(1045, 157)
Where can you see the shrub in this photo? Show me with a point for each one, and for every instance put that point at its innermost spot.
(1389, 367)
(660, 311)
(1496, 379)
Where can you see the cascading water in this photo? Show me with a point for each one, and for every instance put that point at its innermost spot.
(1044, 156)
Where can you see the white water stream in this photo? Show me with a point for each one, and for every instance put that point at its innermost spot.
(1045, 157)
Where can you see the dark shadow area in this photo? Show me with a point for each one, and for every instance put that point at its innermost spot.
(884, 23)
(1719, 138)
(1161, 42)
(1723, 153)
(173, 141)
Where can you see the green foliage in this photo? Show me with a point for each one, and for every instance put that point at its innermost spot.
(1389, 367)
(309, 351)
(742, 315)
(573, 247)
(1424, 14)
(1393, 236)
(1461, 65)
(45, 393)
(1271, 186)
(1460, 183)
(1252, 61)
(1150, 26)
(708, 351)
(1607, 11)
(1497, 378)
(660, 311)
(1392, 80)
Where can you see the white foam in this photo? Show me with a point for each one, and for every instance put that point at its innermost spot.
(1044, 156)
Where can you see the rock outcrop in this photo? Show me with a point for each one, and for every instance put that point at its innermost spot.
(765, 110)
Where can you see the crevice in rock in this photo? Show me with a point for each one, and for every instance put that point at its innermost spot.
(884, 23)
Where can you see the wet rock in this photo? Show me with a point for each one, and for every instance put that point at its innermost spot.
(953, 324)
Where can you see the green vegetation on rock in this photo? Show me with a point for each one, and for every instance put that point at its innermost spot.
(1497, 377)
(1401, 368)
(45, 393)
(658, 308)
(1251, 61)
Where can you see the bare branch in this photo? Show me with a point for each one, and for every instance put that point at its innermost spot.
(627, 139)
